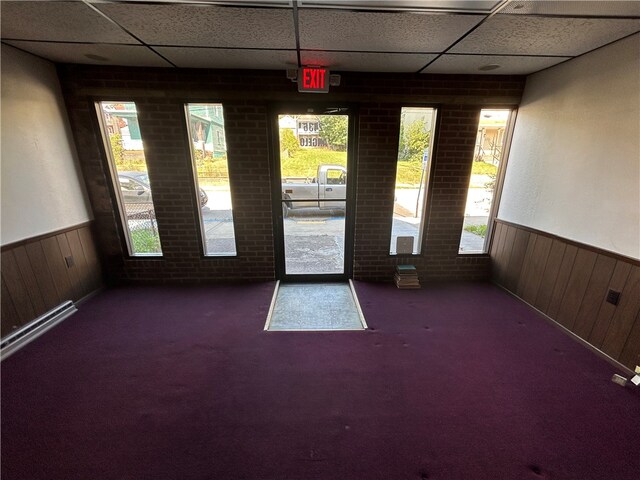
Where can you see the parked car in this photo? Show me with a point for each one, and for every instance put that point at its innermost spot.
(135, 188)
(327, 191)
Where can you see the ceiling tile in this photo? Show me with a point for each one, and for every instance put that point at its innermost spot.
(381, 32)
(599, 8)
(237, 3)
(59, 21)
(470, 64)
(525, 35)
(186, 57)
(367, 62)
(127, 55)
(205, 25)
(414, 5)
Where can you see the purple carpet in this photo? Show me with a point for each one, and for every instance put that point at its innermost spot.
(456, 381)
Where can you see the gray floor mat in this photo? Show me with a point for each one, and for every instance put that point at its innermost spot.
(313, 306)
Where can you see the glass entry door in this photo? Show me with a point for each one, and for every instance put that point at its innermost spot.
(313, 188)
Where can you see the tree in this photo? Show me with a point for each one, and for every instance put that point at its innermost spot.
(402, 146)
(288, 141)
(116, 148)
(333, 130)
(415, 141)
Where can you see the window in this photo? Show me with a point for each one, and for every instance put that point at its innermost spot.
(123, 144)
(336, 177)
(211, 173)
(487, 161)
(417, 126)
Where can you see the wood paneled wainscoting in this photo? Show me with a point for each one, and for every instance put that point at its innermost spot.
(40, 273)
(569, 282)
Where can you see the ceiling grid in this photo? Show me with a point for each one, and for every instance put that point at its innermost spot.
(426, 36)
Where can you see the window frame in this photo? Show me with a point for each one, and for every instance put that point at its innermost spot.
(116, 191)
(500, 176)
(428, 182)
(219, 109)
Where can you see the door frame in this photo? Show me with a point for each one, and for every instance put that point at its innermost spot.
(313, 108)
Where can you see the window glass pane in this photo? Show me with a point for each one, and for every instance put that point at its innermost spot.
(314, 240)
(209, 157)
(417, 127)
(123, 142)
(486, 162)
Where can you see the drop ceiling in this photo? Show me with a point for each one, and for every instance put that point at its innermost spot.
(418, 36)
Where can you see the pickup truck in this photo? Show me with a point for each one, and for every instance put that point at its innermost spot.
(316, 192)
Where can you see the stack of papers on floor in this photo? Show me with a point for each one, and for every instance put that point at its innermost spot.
(406, 277)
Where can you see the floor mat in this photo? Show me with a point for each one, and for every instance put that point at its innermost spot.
(315, 306)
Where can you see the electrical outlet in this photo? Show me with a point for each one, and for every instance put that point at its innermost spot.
(619, 379)
(69, 261)
(613, 297)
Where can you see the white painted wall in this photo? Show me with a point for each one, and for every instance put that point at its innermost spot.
(574, 165)
(42, 189)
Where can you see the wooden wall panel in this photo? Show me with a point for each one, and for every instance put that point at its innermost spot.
(576, 287)
(9, 314)
(37, 300)
(631, 353)
(507, 249)
(594, 296)
(506, 244)
(624, 316)
(538, 264)
(91, 256)
(526, 264)
(569, 282)
(496, 245)
(518, 251)
(551, 269)
(497, 231)
(72, 273)
(17, 288)
(82, 270)
(58, 268)
(36, 278)
(43, 275)
(605, 314)
(562, 280)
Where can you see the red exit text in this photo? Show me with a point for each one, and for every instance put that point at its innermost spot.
(314, 80)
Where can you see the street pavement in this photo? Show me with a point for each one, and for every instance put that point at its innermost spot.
(314, 239)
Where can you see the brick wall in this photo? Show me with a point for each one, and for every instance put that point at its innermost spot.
(160, 95)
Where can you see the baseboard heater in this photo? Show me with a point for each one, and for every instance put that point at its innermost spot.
(32, 330)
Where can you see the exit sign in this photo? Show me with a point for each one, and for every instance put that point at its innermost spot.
(313, 80)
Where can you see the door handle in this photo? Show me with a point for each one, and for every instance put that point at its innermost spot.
(328, 189)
